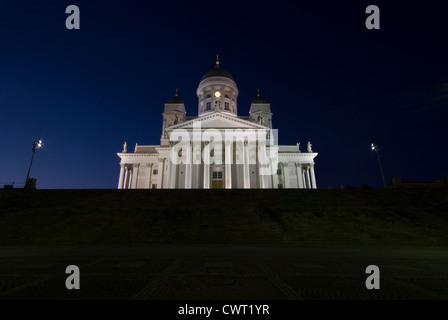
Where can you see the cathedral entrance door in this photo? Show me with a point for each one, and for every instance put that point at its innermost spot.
(217, 181)
(217, 184)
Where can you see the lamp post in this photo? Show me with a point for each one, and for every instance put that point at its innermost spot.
(376, 148)
(36, 145)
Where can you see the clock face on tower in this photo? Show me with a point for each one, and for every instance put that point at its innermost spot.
(217, 94)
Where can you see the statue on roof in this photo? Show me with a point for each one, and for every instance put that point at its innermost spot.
(125, 147)
(309, 145)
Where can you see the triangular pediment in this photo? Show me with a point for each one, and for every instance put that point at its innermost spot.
(217, 121)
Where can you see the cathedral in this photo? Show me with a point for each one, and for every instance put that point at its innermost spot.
(217, 149)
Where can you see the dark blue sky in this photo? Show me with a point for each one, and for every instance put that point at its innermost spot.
(328, 79)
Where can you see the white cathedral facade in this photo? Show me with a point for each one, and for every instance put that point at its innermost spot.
(217, 149)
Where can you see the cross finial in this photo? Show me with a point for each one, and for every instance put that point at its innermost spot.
(217, 60)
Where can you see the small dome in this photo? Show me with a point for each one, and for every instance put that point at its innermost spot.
(259, 99)
(175, 99)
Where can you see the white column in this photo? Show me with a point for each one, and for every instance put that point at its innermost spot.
(164, 174)
(150, 175)
(246, 168)
(288, 183)
(120, 181)
(313, 177)
(304, 178)
(126, 177)
(135, 176)
(262, 164)
(196, 169)
(228, 162)
(130, 173)
(299, 175)
(206, 165)
(171, 171)
(284, 166)
(308, 180)
(159, 173)
(172, 178)
(188, 167)
(281, 177)
(275, 176)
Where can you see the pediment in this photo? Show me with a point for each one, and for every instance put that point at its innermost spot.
(217, 121)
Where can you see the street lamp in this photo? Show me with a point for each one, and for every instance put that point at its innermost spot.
(36, 145)
(376, 148)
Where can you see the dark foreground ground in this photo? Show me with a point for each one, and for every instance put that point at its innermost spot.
(223, 273)
(224, 217)
(221, 245)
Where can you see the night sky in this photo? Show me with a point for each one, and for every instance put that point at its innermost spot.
(328, 79)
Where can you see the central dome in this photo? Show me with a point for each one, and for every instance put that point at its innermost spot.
(217, 72)
(217, 92)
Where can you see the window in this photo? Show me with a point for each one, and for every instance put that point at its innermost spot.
(155, 171)
(227, 96)
(217, 175)
(209, 95)
(226, 106)
(208, 106)
(154, 186)
(279, 172)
